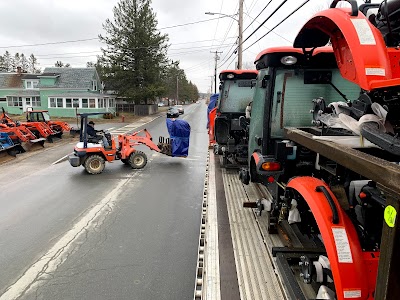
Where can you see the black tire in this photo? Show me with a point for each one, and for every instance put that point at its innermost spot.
(137, 160)
(94, 164)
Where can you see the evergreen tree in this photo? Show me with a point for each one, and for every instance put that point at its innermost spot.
(24, 64)
(32, 61)
(7, 62)
(136, 51)
(16, 62)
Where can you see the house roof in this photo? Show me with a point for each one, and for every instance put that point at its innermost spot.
(14, 80)
(78, 78)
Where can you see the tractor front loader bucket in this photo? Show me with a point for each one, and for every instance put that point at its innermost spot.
(33, 145)
(7, 146)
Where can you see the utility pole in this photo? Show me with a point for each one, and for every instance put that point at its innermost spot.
(240, 50)
(177, 89)
(212, 79)
(215, 70)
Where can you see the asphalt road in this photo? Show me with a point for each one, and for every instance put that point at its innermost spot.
(123, 234)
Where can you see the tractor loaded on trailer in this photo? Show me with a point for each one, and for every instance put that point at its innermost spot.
(92, 153)
(230, 138)
(324, 139)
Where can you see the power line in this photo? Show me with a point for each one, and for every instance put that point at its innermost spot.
(305, 2)
(280, 5)
(257, 15)
(96, 38)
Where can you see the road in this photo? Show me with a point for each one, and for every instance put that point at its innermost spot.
(123, 234)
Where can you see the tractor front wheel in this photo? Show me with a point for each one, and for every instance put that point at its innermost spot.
(94, 164)
(138, 160)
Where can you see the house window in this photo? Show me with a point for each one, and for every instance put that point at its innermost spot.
(3, 99)
(111, 103)
(68, 102)
(94, 85)
(36, 101)
(100, 101)
(92, 103)
(56, 102)
(52, 102)
(28, 101)
(75, 103)
(14, 101)
(85, 103)
(31, 84)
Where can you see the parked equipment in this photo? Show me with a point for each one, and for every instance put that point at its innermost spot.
(236, 93)
(324, 141)
(6, 145)
(91, 154)
(21, 136)
(39, 129)
(58, 127)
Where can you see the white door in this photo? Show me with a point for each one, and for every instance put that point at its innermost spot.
(26, 102)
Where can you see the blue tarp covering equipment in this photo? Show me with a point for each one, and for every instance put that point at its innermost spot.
(179, 132)
(211, 105)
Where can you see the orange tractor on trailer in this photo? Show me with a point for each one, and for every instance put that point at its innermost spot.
(323, 139)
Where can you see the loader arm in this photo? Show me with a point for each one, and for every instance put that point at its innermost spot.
(136, 139)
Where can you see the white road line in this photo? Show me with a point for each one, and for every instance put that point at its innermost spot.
(59, 253)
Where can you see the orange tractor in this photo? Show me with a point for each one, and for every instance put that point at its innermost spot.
(91, 153)
(39, 129)
(22, 137)
(43, 116)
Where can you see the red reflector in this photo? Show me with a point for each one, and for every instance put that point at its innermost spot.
(363, 195)
(218, 114)
(271, 166)
(271, 179)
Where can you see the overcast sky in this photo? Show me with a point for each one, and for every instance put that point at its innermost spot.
(28, 23)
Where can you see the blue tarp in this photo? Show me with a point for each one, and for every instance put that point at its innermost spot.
(211, 105)
(179, 132)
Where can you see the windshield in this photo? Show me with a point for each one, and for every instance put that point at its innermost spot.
(236, 95)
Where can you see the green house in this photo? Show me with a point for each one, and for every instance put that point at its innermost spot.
(62, 91)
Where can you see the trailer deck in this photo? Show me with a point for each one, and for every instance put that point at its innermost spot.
(257, 257)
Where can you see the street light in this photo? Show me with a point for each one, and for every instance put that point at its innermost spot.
(240, 23)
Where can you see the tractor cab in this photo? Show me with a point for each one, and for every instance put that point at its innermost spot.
(43, 116)
(236, 94)
(291, 91)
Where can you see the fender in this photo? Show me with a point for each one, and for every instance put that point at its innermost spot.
(354, 271)
(359, 47)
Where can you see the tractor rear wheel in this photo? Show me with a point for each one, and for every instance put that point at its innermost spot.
(137, 160)
(94, 164)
